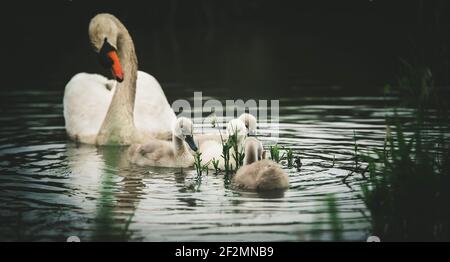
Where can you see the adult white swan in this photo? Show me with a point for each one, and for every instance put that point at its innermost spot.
(106, 112)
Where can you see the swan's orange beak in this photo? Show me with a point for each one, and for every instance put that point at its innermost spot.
(116, 68)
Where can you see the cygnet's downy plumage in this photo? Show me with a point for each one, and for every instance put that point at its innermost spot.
(213, 149)
(257, 173)
(175, 153)
(250, 123)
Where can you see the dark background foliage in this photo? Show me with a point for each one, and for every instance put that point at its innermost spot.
(270, 46)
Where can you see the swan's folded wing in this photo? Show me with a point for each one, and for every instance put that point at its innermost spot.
(152, 112)
(86, 102)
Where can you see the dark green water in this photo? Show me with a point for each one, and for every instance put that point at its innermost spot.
(52, 188)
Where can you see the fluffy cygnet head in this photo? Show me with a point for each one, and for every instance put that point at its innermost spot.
(250, 123)
(237, 127)
(183, 130)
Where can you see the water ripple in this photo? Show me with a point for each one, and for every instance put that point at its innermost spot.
(51, 188)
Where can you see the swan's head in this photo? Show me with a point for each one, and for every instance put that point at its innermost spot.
(184, 130)
(237, 127)
(250, 123)
(103, 33)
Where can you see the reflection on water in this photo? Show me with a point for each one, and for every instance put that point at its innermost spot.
(52, 188)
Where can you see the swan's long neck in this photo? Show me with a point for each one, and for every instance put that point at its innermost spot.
(179, 146)
(251, 154)
(118, 126)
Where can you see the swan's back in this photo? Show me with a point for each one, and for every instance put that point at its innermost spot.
(271, 176)
(152, 111)
(261, 175)
(86, 102)
(213, 150)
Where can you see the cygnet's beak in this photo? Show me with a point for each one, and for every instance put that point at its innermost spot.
(251, 133)
(109, 59)
(190, 141)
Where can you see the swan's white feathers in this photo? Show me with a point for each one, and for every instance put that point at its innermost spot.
(164, 153)
(152, 111)
(87, 98)
(86, 102)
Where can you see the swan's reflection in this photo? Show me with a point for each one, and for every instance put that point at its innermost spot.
(116, 188)
(109, 190)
